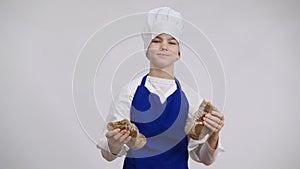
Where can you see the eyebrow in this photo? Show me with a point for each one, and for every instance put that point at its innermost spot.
(172, 38)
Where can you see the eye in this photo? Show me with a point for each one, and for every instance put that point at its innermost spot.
(173, 43)
(155, 41)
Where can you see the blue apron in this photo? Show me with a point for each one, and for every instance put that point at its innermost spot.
(163, 126)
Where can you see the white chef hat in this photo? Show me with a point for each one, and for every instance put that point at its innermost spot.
(162, 20)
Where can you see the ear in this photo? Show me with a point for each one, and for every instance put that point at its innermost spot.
(147, 54)
(178, 52)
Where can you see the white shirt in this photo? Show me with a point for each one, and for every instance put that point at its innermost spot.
(199, 150)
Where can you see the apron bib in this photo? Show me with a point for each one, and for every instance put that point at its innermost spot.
(163, 126)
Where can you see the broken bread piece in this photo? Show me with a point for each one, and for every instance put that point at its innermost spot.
(137, 141)
(195, 128)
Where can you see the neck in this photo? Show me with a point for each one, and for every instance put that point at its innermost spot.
(162, 73)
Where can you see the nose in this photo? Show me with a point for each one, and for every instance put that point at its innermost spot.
(163, 46)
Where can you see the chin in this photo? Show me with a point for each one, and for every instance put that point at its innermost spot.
(161, 65)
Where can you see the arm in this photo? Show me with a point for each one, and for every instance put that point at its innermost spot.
(202, 152)
(207, 152)
(112, 143)
(115, 141)
(215, 122)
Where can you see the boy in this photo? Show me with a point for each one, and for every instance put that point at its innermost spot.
(160, 107)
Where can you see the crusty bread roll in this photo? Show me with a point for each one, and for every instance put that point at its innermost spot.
(137, 141)
(195, 128)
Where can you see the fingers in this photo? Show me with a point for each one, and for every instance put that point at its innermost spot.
(110, 134)
(118, 137)
(125, 135)
(217, 114)
(214, 121)
(126, 140)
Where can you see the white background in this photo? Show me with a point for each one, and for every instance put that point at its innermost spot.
(258, 42)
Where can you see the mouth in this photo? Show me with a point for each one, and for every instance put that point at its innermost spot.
(163, 55)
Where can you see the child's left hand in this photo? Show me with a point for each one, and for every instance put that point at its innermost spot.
(214, 121)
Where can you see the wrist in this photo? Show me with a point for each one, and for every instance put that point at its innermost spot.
(214, 136)
(114, 150)
(213, 140)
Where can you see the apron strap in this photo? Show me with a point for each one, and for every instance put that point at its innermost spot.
(144, 80)
(145, 77)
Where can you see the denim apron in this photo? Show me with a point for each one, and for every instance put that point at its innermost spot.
(163, 126)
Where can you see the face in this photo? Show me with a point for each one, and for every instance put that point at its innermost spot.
(163, 51)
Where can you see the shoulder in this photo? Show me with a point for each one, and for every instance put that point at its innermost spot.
(122, 102)
(129, 89)
(191, 94)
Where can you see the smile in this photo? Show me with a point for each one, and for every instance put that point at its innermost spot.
(163, 55)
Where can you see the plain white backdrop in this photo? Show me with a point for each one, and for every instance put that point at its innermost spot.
(258, 43)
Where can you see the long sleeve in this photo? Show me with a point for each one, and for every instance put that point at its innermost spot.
(119, 110)
(199, 150)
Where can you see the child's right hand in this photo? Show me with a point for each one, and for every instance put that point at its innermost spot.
(116, 139)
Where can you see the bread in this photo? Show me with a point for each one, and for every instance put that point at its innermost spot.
(137, 141)
(195, 128)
